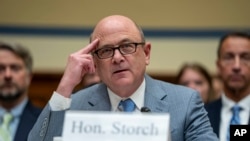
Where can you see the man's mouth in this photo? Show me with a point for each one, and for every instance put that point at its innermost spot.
(7, 85)
(236, 77)
(119, 71)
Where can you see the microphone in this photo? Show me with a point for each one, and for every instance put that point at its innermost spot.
(145, 109)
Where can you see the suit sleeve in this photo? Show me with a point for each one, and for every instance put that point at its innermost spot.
(197, 126)
(48, 125)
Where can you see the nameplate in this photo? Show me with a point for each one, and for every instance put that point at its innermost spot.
(114, 126)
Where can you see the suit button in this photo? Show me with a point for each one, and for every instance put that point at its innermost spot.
(44, 126)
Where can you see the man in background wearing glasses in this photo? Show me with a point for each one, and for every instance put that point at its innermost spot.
(119, 54)
(233, 63)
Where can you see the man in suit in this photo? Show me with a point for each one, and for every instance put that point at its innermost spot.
(15, 78)
(233, 65)
(119, 53)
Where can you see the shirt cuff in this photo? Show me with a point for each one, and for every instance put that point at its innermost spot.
(58, 102)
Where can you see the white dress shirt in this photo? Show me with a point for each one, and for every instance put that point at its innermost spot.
(59, 102)
(226, 114)
(137, 97)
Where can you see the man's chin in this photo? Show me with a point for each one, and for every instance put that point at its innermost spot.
(236, 84)
(123, 81)
(237, 88)
(11, 96)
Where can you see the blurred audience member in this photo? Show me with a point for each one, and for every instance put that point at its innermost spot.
(17, 114)
(195, 76)
(217, 87)
(233, 63)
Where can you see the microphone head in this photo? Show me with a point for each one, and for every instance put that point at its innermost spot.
(145, 109)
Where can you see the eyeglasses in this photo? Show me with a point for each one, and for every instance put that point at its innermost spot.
(124, 49)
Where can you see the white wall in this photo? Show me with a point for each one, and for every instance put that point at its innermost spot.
(50, 53)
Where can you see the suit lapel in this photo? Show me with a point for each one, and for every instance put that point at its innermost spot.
(214, 112)
(100, 102)
(155, 98)
(249, 120)
(27, 120)
(217, 116)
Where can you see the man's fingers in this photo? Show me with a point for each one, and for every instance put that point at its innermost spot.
(90, 47)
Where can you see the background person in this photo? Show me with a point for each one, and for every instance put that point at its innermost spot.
(15, 78)
(233, 63)
(217, 87)
(196, 76)
(119, 54)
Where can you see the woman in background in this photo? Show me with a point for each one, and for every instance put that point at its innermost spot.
(196, 76)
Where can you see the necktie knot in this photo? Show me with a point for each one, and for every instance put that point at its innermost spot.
(127, 105)
(236, 109)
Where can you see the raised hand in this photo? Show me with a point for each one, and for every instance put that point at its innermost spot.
(79, 63)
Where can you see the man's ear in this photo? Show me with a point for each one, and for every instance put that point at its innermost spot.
(218, 66)
(29, 78)
(147, 51)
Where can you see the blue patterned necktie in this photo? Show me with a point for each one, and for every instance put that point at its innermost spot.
(5, 134)
(236, 116)
(127, 105)
(235, 120)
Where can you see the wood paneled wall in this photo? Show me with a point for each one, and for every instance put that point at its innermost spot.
(43, 85)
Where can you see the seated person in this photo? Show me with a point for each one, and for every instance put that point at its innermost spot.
(119, 53)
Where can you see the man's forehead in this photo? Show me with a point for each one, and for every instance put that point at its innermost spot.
(115, 38)
(115, 24)
(231, 50)
(237, 44)
(234, 40)
(9, 56)
(115, 31)
(7, 52)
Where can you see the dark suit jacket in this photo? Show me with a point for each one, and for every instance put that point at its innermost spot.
(188, 117)
(214, 112)
(27, 120)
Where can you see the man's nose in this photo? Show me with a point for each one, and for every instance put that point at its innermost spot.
(117, 52)
(7, 73)
(237, 62)
(117, 56)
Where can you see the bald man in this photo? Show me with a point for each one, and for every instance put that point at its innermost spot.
(119, 53)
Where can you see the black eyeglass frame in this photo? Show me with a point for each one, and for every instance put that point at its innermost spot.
(117, 47)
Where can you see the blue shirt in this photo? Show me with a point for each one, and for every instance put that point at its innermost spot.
(16, 112)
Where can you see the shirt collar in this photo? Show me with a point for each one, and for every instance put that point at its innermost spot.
(137, 97)
(228, 103)
(17, 110)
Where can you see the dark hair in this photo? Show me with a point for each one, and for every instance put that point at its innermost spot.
(200, 69)
(20, 51)
(231, 34)
(197, 67)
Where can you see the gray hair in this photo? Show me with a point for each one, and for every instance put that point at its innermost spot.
(21, 52)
